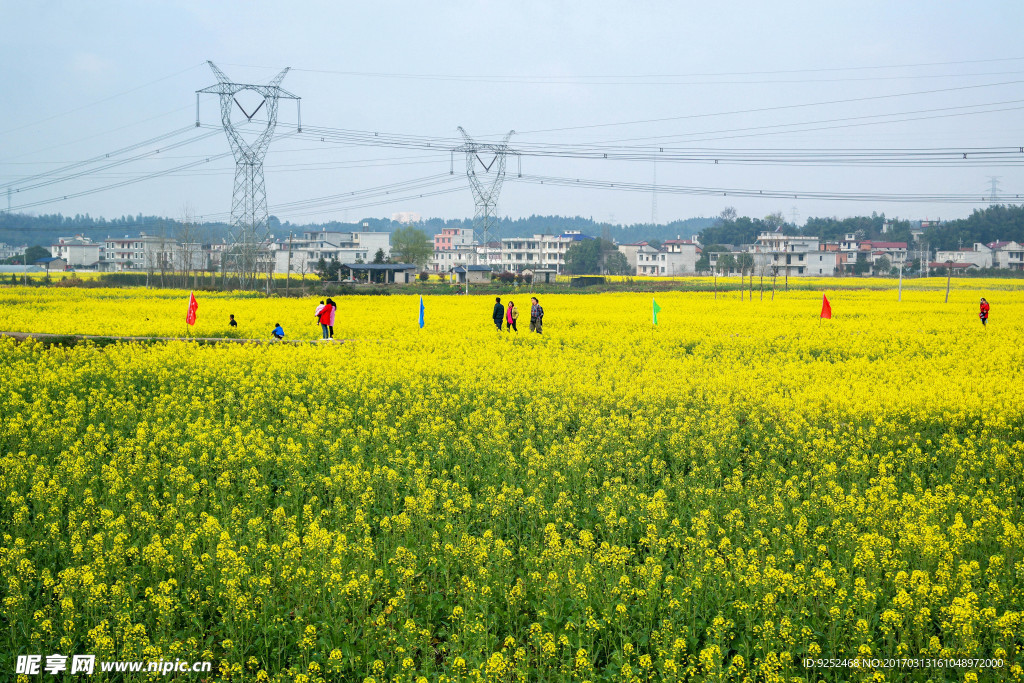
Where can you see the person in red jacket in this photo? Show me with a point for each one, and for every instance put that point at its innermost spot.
(984, 311)
(325, 318)
(330, 325)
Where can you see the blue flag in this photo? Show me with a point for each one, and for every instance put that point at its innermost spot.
(421, 311)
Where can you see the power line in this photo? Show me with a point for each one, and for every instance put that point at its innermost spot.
(749, 193)
(113, 164)
(100, 101)
(99, 158)
(719, 74)
(104, 188)
(780, 107)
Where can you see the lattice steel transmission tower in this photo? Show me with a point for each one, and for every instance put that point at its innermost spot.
(486, 186)
(249, 214)
(994, 184)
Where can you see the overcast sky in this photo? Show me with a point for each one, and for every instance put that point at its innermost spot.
(83, 80)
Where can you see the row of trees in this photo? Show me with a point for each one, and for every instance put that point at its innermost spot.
(595, 256)
(996, 222)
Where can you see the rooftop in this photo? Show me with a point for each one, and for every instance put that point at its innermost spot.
(379, 267)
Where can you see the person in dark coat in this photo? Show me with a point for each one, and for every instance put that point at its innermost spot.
(499, 312)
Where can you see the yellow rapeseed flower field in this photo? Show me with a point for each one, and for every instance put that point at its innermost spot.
(720, 497)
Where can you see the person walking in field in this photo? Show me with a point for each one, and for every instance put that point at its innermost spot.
(324, 317)
(511, 315)
(231, 322)
(983, 314)
(536, 315)
(498, 313)
(278, 332)
(330, 325)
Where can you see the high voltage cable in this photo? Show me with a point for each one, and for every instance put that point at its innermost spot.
(100, 101)
(925, 156)
(284, 168)
(390, 200)
(780, 107)
(767, 128)
(543, 79)
(101, 133)
(83, 193)
(100, 158)
(145, 155)
(748, 193)
(400, 191)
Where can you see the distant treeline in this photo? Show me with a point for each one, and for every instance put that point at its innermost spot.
(997, 222)
(44, 230)
(18, 229)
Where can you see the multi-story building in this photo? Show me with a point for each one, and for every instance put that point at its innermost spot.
(77, 251)
(779, 254)
(453, 238)
(157, 251)
(630, 252)
(1007, 255)
(453, 247)
(896, 252)
(676, 259)
(980, 255)
(825, 263)
(7, 251)
(122, 253)
(539, 251)
(346, 247)
(682, 256)
(462, 255)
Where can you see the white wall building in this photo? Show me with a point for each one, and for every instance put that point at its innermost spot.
(77, 251)
(123, 253)
(7, 251)
(821, 263)
(684, 253)
(980, 255)
(665, 263)
(630, 252)
(346, 247)
(1007, 255)
(539, 251)
(453, 247)
(776, 253)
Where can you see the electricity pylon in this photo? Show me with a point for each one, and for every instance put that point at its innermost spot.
(486, 186)
(249, 215)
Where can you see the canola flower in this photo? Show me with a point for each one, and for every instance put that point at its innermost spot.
(715, 498)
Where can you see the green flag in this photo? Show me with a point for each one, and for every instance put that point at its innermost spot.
(657, 308)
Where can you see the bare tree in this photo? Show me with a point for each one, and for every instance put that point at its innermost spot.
(189, 246)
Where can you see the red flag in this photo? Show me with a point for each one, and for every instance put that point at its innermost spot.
(190, 317)
(826, 308)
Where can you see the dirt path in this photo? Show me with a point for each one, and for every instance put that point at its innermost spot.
(102, 340)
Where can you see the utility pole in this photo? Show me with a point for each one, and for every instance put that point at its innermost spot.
(899, 297)
(288, 282)
(949, 275)
(654, 195)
